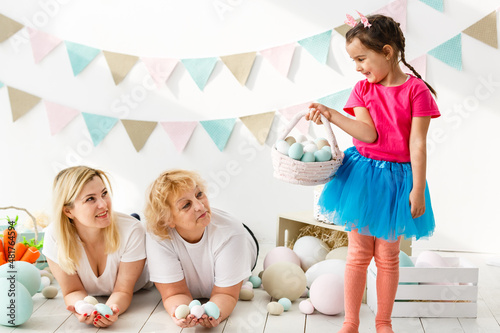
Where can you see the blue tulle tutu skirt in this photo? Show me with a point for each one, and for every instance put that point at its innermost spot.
(372, 196)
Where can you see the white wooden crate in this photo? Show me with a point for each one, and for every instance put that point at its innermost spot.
(431, 292)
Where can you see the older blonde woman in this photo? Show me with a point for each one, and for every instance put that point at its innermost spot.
(90, 249)
(195, 251)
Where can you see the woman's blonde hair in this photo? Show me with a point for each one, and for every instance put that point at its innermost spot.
(168, 186)
(67, 186)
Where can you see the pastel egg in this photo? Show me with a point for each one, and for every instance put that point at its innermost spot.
(246, 294)
(181, 311)
(327, 148)
(248, 283)
(23, 306)
(103, 309)
(27, 274)
(82, 307)
(275, 308)
(246, 286)
(301, 138)
(310, 148)
(287, 304)
(49, 292)
(193, 303)
(296, 150)
(322, 143)
(44, 281)
(47, 274)
(306, 307)
(308, 157)
(256, 281)
(91, 300)
(290, 140)
(212, 310)
(322, 155)
(282, 146)
(429, 259)
(197, 311)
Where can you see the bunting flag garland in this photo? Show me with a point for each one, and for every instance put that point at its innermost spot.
(280, 57)
(336, 100)
(396, 10)
(259, 125)
(291, 111)
(200, 69)
(436, 4)
(160, 69)
(139, 131)
(450, 52)
(98, 126)
(119, 64)
(419, 64)
(219, 130)
(240, 65)
(485, 30)
(179, 132)
(21, 102)
(318, 45)
(59, 116)
(80, 56)
(42, 44)
(343, 29)
(8, 27)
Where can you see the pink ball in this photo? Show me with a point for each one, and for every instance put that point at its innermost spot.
(306, 307)
(327, 294)
(279, 254)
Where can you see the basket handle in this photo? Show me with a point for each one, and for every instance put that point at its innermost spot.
(329, 133)
(35, 227)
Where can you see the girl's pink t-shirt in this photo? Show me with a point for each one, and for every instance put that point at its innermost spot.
(392, 110)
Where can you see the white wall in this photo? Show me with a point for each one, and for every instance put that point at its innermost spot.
(462, 160)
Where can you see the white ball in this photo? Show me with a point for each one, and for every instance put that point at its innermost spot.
(334, 266)
(310, 250)
(282, 146)
(310, 148)
(327, 294)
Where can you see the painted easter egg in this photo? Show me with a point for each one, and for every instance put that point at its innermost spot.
(15, 301)
(193, 303)
(255, 280)
(103, 309)
(287, 304)
(246, 294)
(91, 300)
(296, 151)
(322, 155)
(290, 140)
(49, 292)
(197, 311)
(284, 279)
(278, 254)
(327, 294)
(212, 310)
(24, 272)
(181, 311)
(82, 307)
(310, 251)
(275, 308)
(308, 157)
(306, 307)
(282, 146)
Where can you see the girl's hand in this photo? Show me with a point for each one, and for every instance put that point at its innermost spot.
(315, 112)
(187, 322)
(209, 322)
(107, 320)
(417, 204)
(87, 318)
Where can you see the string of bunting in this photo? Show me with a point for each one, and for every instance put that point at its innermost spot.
(200, 69)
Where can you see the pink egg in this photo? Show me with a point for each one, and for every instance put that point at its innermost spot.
(327, 294)
(82, 307)
(279, 254)
(428, 259)
(306, 307)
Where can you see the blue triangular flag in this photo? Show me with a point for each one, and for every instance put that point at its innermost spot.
(200, 69)
(80, 56)
(450, 52)
(219, 130)
(318, 45)
(336, 100)
(98, 126)
(1, 84)
(436, 4)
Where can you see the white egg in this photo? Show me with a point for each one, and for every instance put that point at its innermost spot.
(197, 311)
(282, 146)
(301, 138)
(310, 148)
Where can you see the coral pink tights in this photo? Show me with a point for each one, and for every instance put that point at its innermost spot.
(359, 254)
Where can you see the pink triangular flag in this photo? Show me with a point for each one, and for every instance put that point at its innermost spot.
(59, 116)
(291, 111)
(396, 10)
(179, 132)
(42, 43)
(280, 57)
(160, 68)
(419, 64)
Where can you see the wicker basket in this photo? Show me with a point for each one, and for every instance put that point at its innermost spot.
(306, 173)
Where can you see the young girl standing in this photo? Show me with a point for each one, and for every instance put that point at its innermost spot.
(380, 192)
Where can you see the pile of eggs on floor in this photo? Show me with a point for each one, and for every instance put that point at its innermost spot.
(301, 149)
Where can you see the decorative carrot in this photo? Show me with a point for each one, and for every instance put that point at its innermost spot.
(19, 250)
(2, 255)
(9, 240)
(31, 255)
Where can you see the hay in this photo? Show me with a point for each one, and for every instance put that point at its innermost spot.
(332, 238)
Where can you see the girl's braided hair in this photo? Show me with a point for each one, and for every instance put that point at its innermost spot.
(383, 31)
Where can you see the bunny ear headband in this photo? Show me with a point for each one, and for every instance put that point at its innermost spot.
(352, 22)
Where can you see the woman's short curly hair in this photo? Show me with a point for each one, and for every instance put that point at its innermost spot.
(162, 194)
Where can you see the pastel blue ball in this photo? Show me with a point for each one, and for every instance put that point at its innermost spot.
(193, 303)
(256, 281)
(308, 157)
(212, 310)
(15, 301)
(103, 309)
(296, 151)
(25, 273)
(322, 155)
(287, 304)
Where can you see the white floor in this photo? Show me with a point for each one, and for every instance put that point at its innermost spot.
(146, 314)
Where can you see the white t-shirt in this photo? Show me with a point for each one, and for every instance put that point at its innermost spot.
(132, 248)
(223, 257)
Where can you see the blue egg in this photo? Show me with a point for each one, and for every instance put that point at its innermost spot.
(286, 303)
(25, 273)
(296, 151)
(327, 148)
(308, 157)
(103, 309)
(15, 301)
(322, 155)
(255, 280)
(212, 310)
(193, 303)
